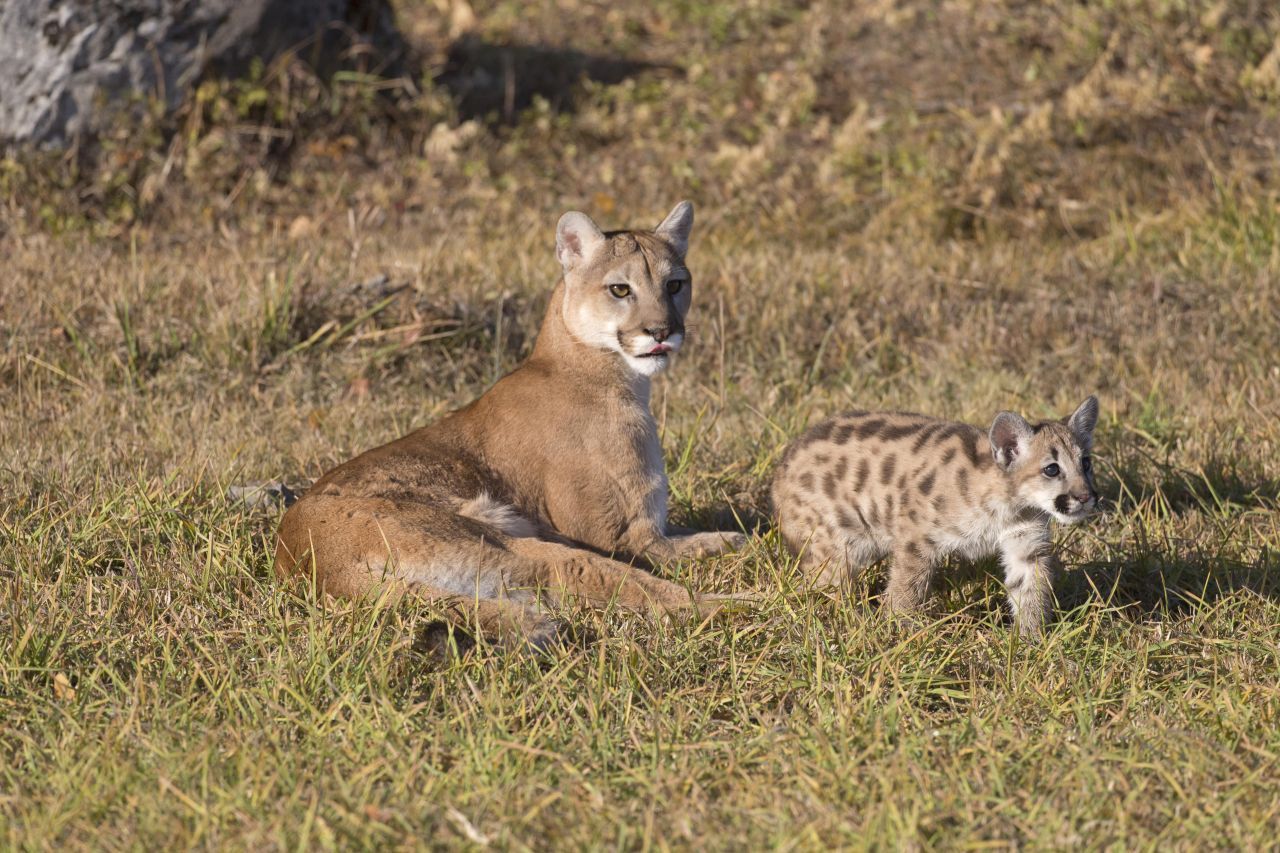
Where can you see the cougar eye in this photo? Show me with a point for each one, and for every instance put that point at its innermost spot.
(675, 286)
(1051, 470)
(622, 291)
(1086, 464)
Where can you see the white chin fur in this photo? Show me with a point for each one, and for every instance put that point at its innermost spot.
(654, 364)
(648, 366)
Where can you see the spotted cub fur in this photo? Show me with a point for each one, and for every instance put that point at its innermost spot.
(865, 485)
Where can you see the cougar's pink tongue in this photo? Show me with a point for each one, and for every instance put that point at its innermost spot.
(659, 349)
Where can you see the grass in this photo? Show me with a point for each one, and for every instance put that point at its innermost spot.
(953, 209)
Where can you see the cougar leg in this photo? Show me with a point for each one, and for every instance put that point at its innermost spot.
(577, 573)
(362, 547)
(512, 623)
(909, 577)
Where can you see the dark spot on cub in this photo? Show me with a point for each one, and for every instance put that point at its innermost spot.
(821, 432)
(895, 433)
(869, 427)
(1060, 503)
(975, 456)
(864, 471)
(829, 484)
(886, 469)
(926, 484)
(949, 431)
(923, 438)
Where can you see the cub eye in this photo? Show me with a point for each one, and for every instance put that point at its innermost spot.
(675, 286)
(1086, 464)
(1051, 470)
(622, 291)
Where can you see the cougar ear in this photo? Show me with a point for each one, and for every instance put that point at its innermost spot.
(1009, 436)
(1084, 419)
(676, 227)
(577, 238)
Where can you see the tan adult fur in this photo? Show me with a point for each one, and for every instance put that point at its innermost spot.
(525, 490)
(865, 485)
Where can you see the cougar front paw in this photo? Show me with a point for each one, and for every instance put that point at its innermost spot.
(708, 544)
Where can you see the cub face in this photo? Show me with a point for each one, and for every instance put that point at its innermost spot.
(627, 291)
(1049, 462)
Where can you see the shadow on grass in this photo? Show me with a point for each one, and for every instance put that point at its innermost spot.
(1221, 485)
(1167, 581)
(1161, 571)
(495, 83)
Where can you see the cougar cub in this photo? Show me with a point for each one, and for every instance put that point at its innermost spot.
(864, 485)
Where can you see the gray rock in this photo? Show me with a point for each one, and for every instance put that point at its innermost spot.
(63, 61)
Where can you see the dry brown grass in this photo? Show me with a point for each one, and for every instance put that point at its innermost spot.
(951, 208)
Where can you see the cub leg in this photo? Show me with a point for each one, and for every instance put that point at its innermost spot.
(1029, 569)
(578, 573)
(909, 577)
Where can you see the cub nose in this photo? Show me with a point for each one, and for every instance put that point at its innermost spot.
(1085, 497)
(658, 333)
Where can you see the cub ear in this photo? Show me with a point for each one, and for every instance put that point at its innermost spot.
(1084, 419)
(1009, 436)
(577, 238)
(676, 227)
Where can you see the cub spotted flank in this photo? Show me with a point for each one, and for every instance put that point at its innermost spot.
(865, 485)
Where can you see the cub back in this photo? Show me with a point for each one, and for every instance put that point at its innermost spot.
(853, 486)
(859, 476)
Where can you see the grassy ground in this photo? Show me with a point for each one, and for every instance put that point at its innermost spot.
(951, 208)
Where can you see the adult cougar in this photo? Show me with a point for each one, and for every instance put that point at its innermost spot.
(522, 491)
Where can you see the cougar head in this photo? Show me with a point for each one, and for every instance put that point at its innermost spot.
(1050, 462)
(627, 291)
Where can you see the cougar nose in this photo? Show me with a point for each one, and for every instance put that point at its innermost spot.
(1087, 497)
(658, 333)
